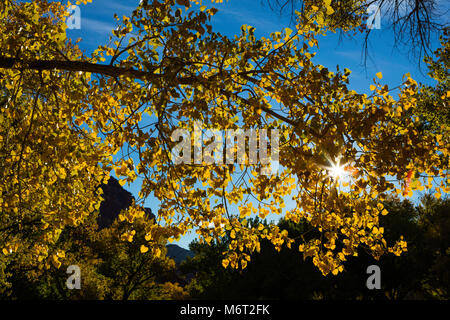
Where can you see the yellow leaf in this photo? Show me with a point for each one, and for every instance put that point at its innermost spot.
(56, 262)
(288, 32)
(225, 263)
(144, 249)
(330, 10)
(379, 75)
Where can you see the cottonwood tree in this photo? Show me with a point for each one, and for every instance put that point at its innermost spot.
(70, 120)
(433, 100)
(414, 23)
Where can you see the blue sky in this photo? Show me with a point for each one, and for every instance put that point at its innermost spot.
(97, 22)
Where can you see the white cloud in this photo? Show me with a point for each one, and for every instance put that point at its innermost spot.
(261, 23)
(96, 26)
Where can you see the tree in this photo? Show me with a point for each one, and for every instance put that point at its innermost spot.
(420, 273)
(414, 23)
(113, 263)
(136, 272)
(70, 120)
(432, 101)
(435, 225)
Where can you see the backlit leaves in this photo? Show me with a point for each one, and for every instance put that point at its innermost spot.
(64, 130)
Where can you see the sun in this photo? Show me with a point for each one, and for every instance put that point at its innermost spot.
(337, 170)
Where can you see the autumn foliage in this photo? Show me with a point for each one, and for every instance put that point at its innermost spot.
(69, 120)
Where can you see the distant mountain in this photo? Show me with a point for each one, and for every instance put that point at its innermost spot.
(177, 253)
(116, 198)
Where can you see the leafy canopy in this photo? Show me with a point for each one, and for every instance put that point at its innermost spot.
(69, 120)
